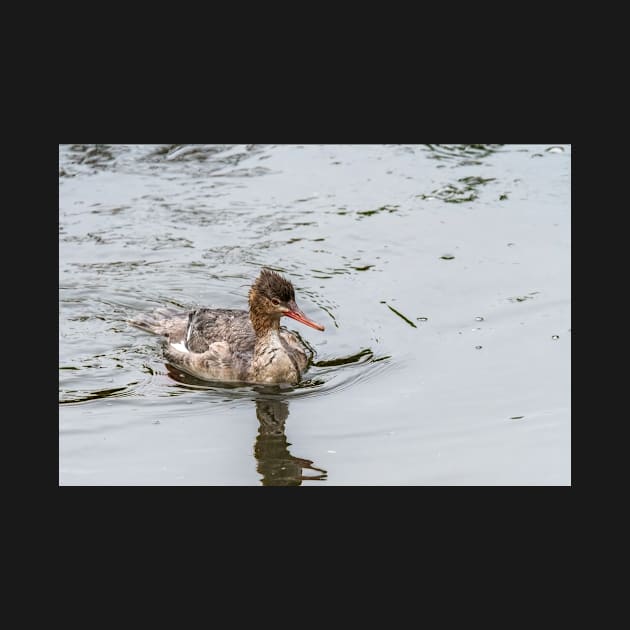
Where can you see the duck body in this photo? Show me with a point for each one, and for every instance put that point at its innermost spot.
(237, 345)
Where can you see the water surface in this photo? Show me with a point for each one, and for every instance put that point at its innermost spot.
(441, 273)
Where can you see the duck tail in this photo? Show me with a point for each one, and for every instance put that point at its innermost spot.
(167, 322)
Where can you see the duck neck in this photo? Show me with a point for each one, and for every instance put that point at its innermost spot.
(264, 327)
(264, 323)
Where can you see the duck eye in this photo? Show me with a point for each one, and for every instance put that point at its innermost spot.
(275, 301)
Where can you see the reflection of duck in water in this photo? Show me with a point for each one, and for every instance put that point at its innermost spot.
(234, 345)
(271, 449)
(276, 465)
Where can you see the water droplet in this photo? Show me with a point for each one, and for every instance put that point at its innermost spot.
(447, 257)
(516, 417)
(555, 336)
(555, 150)
(478, 347)
(510, 244)
(479, 319)
(422, 319)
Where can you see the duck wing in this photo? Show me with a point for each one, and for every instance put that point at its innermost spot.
(207, 326)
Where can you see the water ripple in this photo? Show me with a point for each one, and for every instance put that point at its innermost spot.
(461, 154)
(324, 377)
(178, 160)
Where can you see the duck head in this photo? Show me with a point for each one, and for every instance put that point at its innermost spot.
(271, 297)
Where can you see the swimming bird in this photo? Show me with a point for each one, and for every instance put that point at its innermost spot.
(236, 345)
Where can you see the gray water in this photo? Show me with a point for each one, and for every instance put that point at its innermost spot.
(441, 273)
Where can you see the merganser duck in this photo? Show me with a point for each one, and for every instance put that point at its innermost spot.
(234, 345)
